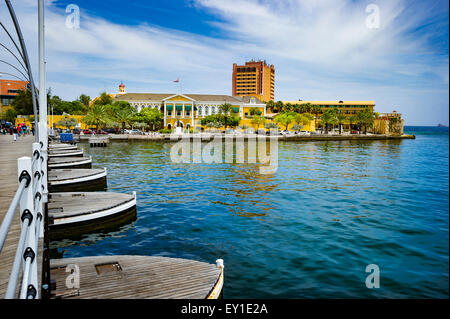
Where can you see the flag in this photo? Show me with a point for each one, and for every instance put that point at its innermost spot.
(177, 80)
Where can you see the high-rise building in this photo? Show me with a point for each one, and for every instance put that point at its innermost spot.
(255, 78)
(8, 91)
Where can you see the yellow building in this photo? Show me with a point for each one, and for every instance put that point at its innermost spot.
(347, 107)
(52, 121)
(187, 110)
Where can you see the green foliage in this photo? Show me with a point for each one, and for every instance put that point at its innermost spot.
(150, 116)
(9, 115)
(258, 120)
(97, 116)
(285, 119)
(297, 127)
(23, 102)
(124, 116)
(61, 107)
(271, 125)
(84, 99)
(329, 117)
(225, 110)
(365, 118)
(68, 122)
(165, 131)
(104, 99)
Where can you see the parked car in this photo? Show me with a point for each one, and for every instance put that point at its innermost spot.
(87, 132)
(134, 131)
(76, 131)
(110, 130)
(304, 133)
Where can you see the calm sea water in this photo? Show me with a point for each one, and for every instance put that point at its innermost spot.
(307, 231)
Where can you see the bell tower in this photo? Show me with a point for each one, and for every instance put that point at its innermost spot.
(122, 88)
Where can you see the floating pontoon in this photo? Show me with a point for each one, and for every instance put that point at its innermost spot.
(71, 180)
(137, 277)
(71, 214)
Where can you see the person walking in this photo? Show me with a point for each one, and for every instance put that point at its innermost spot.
(14, 130)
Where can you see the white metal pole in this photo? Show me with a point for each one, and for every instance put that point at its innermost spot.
(43, 127)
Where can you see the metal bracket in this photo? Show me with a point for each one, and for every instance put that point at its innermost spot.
(27, 215)
(29, 253)
(26, 175)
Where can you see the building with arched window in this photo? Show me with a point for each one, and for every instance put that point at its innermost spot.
(186, 110)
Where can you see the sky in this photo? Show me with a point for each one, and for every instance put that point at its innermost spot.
(321, 49)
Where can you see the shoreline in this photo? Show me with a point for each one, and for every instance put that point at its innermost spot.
(208, 137)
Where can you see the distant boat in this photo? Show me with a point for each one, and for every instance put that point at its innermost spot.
(441, 125)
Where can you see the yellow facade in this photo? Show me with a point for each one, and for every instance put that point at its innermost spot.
(52, 120)
(347, 107)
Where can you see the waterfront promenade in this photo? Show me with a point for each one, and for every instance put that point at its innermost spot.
(208, 136)
(10, 152)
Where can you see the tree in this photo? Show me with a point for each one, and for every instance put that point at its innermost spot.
(23, 102)
(97, 116)
(279, 106)
(284, 119)
(84, 99)
(68, 122)
(123, 116)
(104, 99)
(316, 110)
(270, 105)
(271, 125)
(225, 109)
(328, 117)
(340, 119)
(352, 119)
(10, 115)
(257, 120)
(150, 116)
(365, 118)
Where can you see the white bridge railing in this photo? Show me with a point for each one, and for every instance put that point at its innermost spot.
(29, 198)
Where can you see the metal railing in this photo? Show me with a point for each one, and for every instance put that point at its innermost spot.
(29, 199)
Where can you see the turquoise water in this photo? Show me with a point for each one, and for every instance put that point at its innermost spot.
(307, 231)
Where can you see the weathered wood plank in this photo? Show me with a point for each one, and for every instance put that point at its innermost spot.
(10, 151)
(139, 277)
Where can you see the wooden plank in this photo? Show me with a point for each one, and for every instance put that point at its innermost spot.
(139, 277)
(10, 152)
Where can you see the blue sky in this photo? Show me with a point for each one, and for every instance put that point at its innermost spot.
(322, 50)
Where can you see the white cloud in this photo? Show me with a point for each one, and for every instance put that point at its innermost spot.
(321, 50)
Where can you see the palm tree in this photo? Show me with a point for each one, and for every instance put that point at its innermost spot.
(315, 109)
(270, 105)
(225, 109)
(328, 117)
(340, 119)
(123, 116)
(279, 106)
(352, 120)
(97, 116)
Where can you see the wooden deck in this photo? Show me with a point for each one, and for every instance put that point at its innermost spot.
(136, 277)
(65, 153)
(69, 162)
(10, 152)
(75, 214)
(61, 146)
(65, 180)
